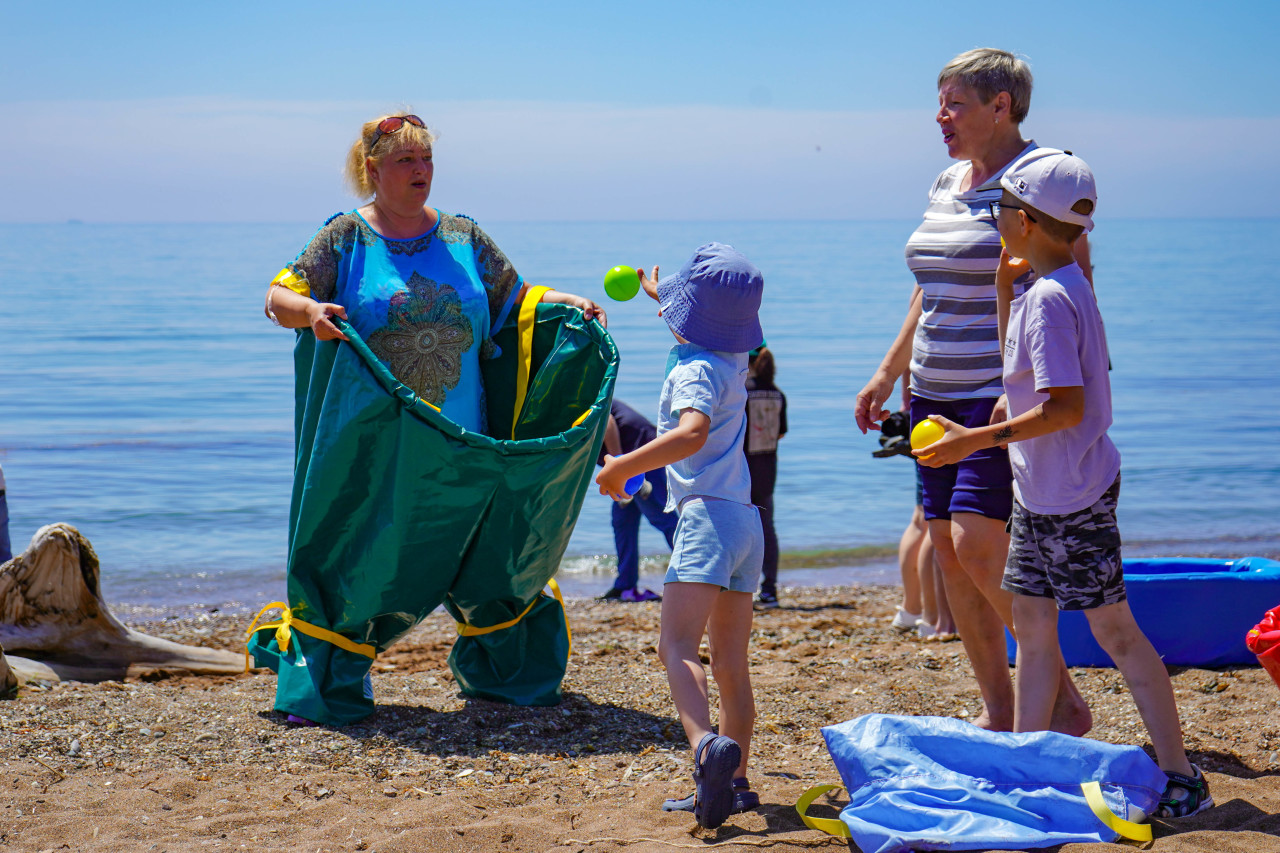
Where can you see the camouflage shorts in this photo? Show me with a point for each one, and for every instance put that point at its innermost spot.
(1073, 559)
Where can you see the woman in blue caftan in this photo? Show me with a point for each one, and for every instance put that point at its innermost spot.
(426, 290)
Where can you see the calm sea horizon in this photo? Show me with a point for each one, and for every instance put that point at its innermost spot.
(149, 403)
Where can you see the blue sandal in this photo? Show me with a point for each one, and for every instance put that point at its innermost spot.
(744, 799)
(714, 763)
(1184, 795)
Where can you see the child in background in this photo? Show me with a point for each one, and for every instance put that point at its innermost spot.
(1064, 553)
(766, 423)
(711, 307)
(6, 550)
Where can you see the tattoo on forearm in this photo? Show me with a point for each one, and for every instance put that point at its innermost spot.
(1002, 435)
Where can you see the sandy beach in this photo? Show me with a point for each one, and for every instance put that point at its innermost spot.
(203, 763)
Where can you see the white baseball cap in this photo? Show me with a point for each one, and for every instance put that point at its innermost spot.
(1055, 182)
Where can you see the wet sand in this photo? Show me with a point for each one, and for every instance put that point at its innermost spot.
(203, 763)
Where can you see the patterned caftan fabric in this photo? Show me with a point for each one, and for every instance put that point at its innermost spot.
(427, 306)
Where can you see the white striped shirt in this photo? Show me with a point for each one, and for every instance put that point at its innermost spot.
(953, 255)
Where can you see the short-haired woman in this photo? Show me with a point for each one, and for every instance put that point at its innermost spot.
(949, 341)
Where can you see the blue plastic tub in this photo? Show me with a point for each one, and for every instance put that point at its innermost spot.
(1196, 612)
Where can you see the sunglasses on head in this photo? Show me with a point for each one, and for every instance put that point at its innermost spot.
(391, 124)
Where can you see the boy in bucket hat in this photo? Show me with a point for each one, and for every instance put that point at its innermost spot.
(711, 307)
(1064, 550)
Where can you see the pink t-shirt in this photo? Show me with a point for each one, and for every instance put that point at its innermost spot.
(1056, 340)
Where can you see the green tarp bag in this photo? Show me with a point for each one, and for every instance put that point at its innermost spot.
(396, 510)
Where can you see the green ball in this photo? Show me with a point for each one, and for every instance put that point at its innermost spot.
(621, 283)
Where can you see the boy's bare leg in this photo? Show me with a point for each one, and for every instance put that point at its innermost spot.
(981, 630)
(1035, 689)
(982, 547)
(686, 609)
(1116, 631)
(729, 634)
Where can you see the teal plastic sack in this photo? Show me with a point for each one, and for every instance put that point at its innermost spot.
(936, 783)
(396, 510)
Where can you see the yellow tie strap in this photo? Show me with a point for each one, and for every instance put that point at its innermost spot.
(1092, 795)
(1124, 828)
(524, 359)
(288, 623)
(830, 826)
(466, 630)
(292, 280)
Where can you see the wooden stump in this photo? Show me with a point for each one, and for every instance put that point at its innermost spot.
(8, 681)
(51, 610)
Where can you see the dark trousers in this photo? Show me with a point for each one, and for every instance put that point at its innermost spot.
(764, 473)
(626, 527)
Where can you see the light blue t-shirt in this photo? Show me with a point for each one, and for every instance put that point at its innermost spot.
(1056, 340)
(713, 383)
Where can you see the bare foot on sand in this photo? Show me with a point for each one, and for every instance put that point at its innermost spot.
(984, 721)
(1071, 715)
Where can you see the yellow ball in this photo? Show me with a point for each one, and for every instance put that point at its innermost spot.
(926, 433)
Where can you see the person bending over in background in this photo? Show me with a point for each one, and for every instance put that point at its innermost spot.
(627, 430)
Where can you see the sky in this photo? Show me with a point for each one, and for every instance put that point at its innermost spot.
(563, 111)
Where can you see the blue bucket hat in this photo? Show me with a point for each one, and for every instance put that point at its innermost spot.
(714, 301)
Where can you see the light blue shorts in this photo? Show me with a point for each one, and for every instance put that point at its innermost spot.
(719, 542)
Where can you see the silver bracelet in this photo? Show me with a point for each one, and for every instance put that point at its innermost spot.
(271, 292)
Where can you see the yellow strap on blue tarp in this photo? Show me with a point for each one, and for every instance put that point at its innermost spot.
(1124, 828)
(288, 623)
(524, 360)
(290, 279)
(830, 826)
(1092, 796)
(466, 630)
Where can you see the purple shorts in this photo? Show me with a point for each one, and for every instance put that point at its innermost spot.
(981, 483)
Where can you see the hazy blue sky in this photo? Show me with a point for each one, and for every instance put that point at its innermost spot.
(234, 111)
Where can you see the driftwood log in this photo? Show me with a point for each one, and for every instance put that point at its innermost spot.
(54, 625)
(8, 681)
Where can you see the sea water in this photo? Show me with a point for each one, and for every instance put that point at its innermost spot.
(147, 400)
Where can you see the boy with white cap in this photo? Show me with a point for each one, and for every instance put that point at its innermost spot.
(1064, 551)
(712, 307)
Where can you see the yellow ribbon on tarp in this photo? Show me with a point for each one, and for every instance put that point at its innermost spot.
(290, 279)
(1124, 828)
(524, 362)
(830, 826)
(467, 630)
(288, 623)
(1092, 795)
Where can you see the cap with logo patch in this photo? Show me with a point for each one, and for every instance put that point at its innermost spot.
(1057, 183)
